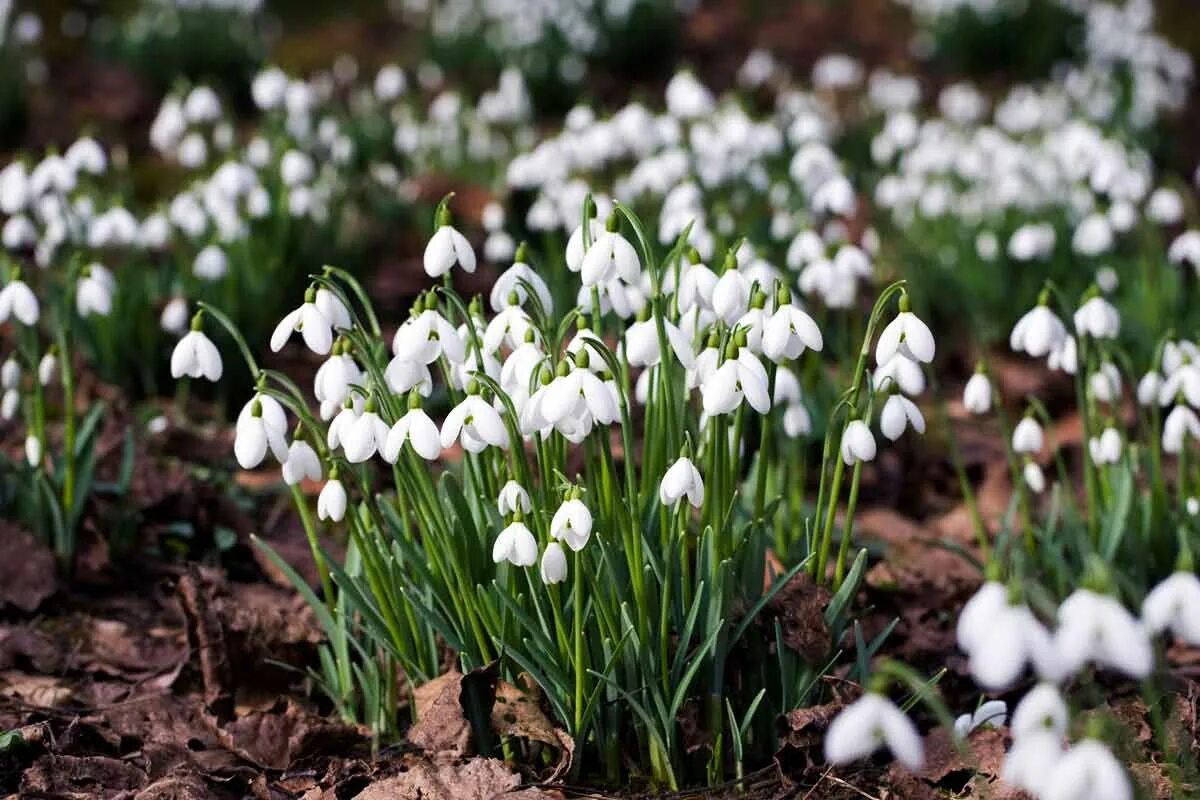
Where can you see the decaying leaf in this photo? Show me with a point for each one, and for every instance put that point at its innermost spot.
(27, 569)
(477, 779)
(518, 712)
(799, 608)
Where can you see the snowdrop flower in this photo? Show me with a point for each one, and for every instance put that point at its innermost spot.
(1181, 422)
(993, 713)
(173, 318)
(1097, 318)
(977, 613)
(446, 248)
(343, 421)
(1034, 478)
(898, 413)
(1174, 605)
(741, 376)
(265, 406)
(1093, 236)
(333, 309)
(427, 335)
(906, 334)
(33, 450)
(1165, 206)
(475, 424)
(1088, 771)
(1105, 383)
(977, 394)
(314, 327)
(687, 98)
(1038, 332)
(869, 723)
(575, 251)
(93, 294)
(682, 479)
(1032, 760)
(46, 367)
(508, 328)
(211, 263)
(1186, 250)
(857, 443)
(10, 373)
(516, 545)
(1027, 437)
(1041, 710)
(1106, 448)
(513, 499)
(1065, 357)
(903, 372)
(331, 502)
(9, 402)
(796, 420)
(1148, 387)
(578, 390)
(18, 301)
(513, 280)
(789, 331)
(302, 462)
(416, 428)
(1014, 639)
(255, 436)
(697, 283)
(554, 564)
(196, 356)
(1096, 627)
(572, 522)
(611, 255)
(731, 295)
(642, 344)
(366, 435)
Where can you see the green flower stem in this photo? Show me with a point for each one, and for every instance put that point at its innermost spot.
(314, 545)
(847, 529)
(764, 450)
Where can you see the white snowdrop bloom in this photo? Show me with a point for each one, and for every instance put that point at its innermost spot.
(196, 356)
(977, 613)
(1165, 206)
(390, 83)
(255, 436)
(334, 377)
(869, 723)
(211, 263)
(611, 255)
(342, 422)
(554, 564)
(508, 329)
(19, 233)
(1193, 506)
(1174, 605)
(857, 443)
(579, 391)
(1031, 241)
(1031, 762)
(1186, 250)
(173, 318)
(697, 283)
(752, 325)
(331, 502)
(1183, 380)
(94, 293)
(731, 296)
(365, 436)
(447, 248)
(1097, 628)
(475, 424)
(1107, 279)
(1040, 711)
(10, 374)
(33, 450)
(333, 309)
(264, 406)
(1065, 357)
(575, 251)
(1088, 771)
(687, 98)
(572, 523)
(1181, 422)
(993, 713)
(1106, 448)
(1105, 383)
(1028, 437)
(516, 545)
(416, 428)
(314, 327)
(1038, 332)
(426, 337)
(642, 344)
(513, 280)
(10, 401)
(1034, 478)
(1148, 387)
(302, 462)
(788, 332)
(192, 151)
(52, 175)
(796, 420)
(296, 169)
(977, 394)
(513, 499)
(902, 372)
(14, 188)
(268, 88)
(738, 378)
(202, 105)
(1093, 235)
(86, 155)
(682, 479)
(908, 335)
(1098, 318)
(1013, 640)
(17, 300)
(898, 413)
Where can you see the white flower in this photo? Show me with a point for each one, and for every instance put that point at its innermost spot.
(611, 255)
(898, 413)
(1032, 760)
(46, 367)
(572, 523)
(513, 498)
(1095, 627)
(796, 420)
(331, 384)
(211, 264)
(575, 251)
(1027, 437)
(93, 294)
(334, 309)
(731, 295)
(1181, 422)
(977, 394)
(1093, 235)
(343, 421)
(267, 407)
(1088, 771)
(857, 443)
(331, 502)
(33, 450)
(508, 328)
(1013, 639)
(993, 713)
(903, 372)
(18, 300)
(737, 378)
(476, 424)
(696, 286)
(642, 344)
(426, 336)
(302, 462)
(682, 479)
(174, 316)
(1065, 357)
(196, 356)
(446, 248)
(788, 331)
(869, 723)
(554, 564)
(973, 620)
(1147, 388)
(1034, 478)
(1106, 448)
(512, 281)
(1038, 332)
(364, 436)
(905, 334)
(10, 373)
(1105, 383)
(516, 545)
(1041, 710)
(1174, 604)
(312, 324)
(1098, 318)
(9, 403)
(255, 435)
(1186, 250)
(417, 429)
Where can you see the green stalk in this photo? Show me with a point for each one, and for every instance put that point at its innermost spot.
(314, 545)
